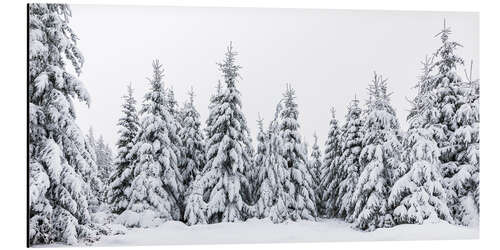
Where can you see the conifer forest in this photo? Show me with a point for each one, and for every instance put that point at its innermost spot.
(173, 168)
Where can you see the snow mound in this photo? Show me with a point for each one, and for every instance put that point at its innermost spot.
(144, 219)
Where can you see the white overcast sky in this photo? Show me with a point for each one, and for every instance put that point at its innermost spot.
(327, 55)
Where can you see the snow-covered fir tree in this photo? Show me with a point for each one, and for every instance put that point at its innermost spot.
(315, 170)
(445, 87)
(157, 182)
(259, 157)
(195, 206)
(97, 186)
(418, 193)
(91, 144)
(349, 168)
(458, 130)
(330, 177)
(379, 157)
(121, 177)
(222, 186)
(172, 105)
(464, 184)
(104, 156)
(177, 115)
(302, 203)
(62, 174)
(193, 144)
(273, 175)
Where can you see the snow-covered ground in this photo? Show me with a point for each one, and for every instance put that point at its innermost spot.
(264, 231)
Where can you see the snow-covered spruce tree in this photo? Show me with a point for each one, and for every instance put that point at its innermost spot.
(418, 194)
(315, 170)
(62, 174)
(101, 154)
(259, 157)
(121, 177)
(195, 206)
(349, 168)
(172, 105)
(193, 144)
(464, 184)
(157, 182)
(175, 113)
(273, 175)
(104, 157)
(91, 144)
(302, 204)
(97, 186)
(445, 88)
(223, 184)
(458, 130)
(379, 157)
(330, 176)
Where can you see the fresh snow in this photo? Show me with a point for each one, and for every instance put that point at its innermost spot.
(264, 231)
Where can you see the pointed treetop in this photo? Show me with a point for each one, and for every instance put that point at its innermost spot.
(290, 92)
(229, 68)
(158, 71)
(130, 90)
(332, 111)
(260, 122)
(315, 136)
(353, 106)
(279, 107)
(447, 58)
(355, 100)
(191, 96)
(444, 32)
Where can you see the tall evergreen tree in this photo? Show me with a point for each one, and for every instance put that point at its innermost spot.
(330, 174)
(91, 144)
(273, 176)
(104, 156)
(464, 184)
(157, 182)
(97, 186)
(259, 157)
(62, 174)
(195, 206)
(379, 157)
(223, 182)
(446, 91)
(418, 194)
(349, 167)
(121, 178)
(193, 145)
(458, 137)
(302, 204)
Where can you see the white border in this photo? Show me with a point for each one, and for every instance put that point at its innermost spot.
(13, 115)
